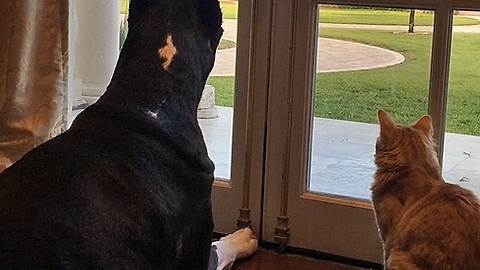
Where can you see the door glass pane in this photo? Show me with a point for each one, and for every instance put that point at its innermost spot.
(216, 107)
(462, 141)
(366, 60)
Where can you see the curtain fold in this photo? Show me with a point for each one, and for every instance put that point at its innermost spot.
(33, 74)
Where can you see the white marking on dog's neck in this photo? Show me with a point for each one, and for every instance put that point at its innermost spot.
(153, 114)
(167, 52)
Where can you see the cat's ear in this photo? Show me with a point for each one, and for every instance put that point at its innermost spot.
(386, 123)
(425, 125)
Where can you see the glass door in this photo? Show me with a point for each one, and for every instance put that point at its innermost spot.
(328, 77)
(462, 140)
(235, 136)
(304, 206)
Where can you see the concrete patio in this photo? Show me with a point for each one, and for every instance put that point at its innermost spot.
(342, 155)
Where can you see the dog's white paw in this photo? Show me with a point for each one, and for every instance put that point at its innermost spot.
(240, 244)
(242, 241)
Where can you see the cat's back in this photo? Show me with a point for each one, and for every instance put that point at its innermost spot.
(449, 203)
(461, 199)
(442, 230)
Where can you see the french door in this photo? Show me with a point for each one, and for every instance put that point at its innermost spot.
(237, 194)
(304, 127)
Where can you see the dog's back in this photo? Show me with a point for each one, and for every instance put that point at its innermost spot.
(128, 186)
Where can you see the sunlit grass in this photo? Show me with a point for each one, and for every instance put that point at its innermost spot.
(363, 16)
(124, 6)
(226, 44)
(229, 9)
(383, 17)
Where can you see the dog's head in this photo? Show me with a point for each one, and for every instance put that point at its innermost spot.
(183, 29)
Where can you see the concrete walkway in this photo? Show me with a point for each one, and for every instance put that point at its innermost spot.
(332, 55)
(401, 28)
(342, 155)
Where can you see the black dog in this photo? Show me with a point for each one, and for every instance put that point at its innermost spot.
(128, 186)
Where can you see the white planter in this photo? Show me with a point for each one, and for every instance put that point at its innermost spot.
(206, 106)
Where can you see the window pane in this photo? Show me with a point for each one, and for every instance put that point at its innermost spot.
(216, 107)
(366, 60)
(462, 142)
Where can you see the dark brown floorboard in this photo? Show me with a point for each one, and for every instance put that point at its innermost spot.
(267, 259)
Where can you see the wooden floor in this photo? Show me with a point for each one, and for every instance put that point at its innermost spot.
(266, 260)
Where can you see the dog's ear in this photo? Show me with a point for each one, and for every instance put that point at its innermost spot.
(210, 12)
(210, 16)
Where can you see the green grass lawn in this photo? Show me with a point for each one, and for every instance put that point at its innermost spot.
(383, 17)
(224, 89)
(226, 44)
(363, 16)
(124, 6)
(229, 9)
(357, 16)
(401, 89)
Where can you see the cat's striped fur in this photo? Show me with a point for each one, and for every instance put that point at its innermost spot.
(424, 222)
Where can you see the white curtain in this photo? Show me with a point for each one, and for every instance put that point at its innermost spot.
(33, 74)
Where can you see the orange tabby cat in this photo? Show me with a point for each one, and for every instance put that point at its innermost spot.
(425, 223)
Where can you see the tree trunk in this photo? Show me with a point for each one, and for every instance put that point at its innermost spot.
(411, 21)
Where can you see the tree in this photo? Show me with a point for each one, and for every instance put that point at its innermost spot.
(411, 21)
